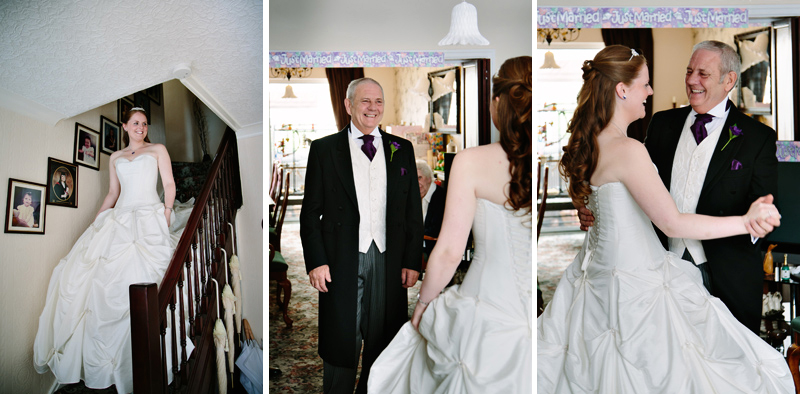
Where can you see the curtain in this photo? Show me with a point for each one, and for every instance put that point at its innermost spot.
(642, 41)
(338, 79)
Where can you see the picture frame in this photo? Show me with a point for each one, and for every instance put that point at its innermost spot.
(86, 147)
(155, 93)
(110, 133)
(62, 183)
(141, 100)
(755, 90)
(123, 106)
(446, 106)
(25, 211)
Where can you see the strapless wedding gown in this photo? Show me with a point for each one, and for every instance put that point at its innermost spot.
(84, 329)
(476, 337)
(630, 317)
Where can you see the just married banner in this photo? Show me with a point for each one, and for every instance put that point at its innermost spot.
(788, 151)
(356, 59)
(626, 17)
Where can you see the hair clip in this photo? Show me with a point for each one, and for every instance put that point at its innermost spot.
(137, 109)
(633, 53)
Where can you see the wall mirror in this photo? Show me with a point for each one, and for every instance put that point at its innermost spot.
(446, 106)
(755, 90)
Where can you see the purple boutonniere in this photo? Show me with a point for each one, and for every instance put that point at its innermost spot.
(733, 132)
(403, 171)
(394, 147)
(736, 165)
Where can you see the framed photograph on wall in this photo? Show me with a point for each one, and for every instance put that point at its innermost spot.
(87, 143)
(25, 207)
(123, 106)
(110, 132)
(755, 88)
(141, 100)
(62, 183)
(154, 93)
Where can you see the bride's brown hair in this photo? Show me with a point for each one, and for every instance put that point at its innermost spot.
(512, 85)
(612, 65)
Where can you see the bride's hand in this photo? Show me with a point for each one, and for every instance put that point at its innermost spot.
(167, 213)
(417, 316)
(762, 217)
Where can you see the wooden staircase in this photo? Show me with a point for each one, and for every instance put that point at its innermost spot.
(189, 290)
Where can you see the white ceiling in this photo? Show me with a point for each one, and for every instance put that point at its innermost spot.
(61, 58)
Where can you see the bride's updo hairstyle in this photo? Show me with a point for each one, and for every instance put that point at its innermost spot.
(596, 101)
(512, 85)
(127, 117)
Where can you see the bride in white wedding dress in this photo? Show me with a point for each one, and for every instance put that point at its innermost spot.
(477, 337)
(84, 329)
(628, 316)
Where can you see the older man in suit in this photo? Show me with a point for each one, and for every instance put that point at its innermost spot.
(716, 161)
(433, 199)
(361, 229)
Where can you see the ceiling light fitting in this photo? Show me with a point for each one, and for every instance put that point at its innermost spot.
(564, 35)
(464, 27)
(290, 72)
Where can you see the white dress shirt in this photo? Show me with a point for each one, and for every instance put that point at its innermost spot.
(689, 172)
(427, 200)
(370, 180)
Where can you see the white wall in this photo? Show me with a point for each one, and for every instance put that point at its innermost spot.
(27, 260)
(249, 227)
(672, 50)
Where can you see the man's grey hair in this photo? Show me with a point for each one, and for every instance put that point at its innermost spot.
(729, 59)
(423, 167)
(351, 88)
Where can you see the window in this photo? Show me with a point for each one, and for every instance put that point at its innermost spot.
(295, 122)
(556, 99)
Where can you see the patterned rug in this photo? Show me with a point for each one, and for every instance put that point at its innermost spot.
(554, 252)
(294, 351)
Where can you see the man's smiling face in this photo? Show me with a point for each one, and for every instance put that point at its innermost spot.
(705, 86)
(366, 109)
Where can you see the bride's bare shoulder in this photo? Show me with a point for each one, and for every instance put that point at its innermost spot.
(482, 153)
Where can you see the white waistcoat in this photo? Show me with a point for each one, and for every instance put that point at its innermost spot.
(688, 174)
(370, 180)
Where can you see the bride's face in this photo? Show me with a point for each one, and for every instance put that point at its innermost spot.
(637, 93)
(136, 127)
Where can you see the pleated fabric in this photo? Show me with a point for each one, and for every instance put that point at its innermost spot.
(476, 337)
(630, 317)
(84, 329)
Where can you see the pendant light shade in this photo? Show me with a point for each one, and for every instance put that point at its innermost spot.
(289, 92)
(464, 27)
(549, 61)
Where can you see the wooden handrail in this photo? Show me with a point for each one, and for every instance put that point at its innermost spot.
(186, 293)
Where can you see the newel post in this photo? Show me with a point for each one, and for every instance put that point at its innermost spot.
(145, 334)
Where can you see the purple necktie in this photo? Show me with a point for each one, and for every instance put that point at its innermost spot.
(699, 127)
(368, 148)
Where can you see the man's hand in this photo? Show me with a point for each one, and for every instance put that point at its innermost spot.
(408, 277)
(762, 217)
(319, 276)
(586, 217)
